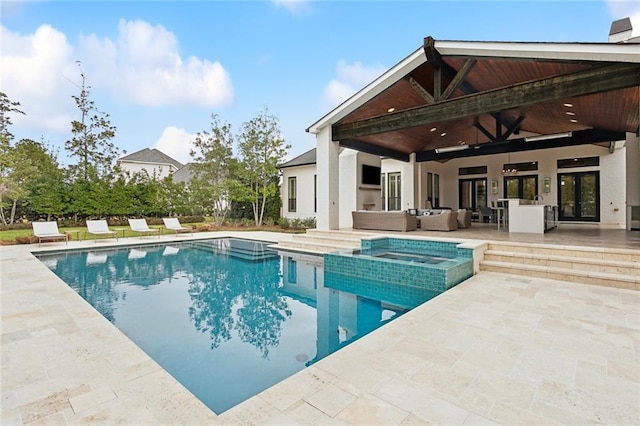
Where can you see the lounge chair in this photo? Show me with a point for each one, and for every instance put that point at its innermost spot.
(48, 231)
(100, 227)
(173, 224)
(140, 226)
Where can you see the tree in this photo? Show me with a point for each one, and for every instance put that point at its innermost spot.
(7, 157)
(32, 162)
(262, 149)
(213, 157)
(91, 143)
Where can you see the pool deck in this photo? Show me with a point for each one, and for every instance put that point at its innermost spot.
(496, 349)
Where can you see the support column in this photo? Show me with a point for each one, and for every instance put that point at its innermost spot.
(409, 182)
(328, 184)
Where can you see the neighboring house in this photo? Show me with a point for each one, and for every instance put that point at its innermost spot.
(183, 174)
(462, 124)
(154, 162)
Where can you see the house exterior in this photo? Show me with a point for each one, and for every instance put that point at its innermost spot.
(462, 124)
(152, 161)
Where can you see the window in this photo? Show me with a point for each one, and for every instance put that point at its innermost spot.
(433, 189)
(476, 170)
(568, 163)
(292, 194)
(524, 187)
(315, 193)
(394, 191)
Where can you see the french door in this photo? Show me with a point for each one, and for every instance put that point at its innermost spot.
(579, 196)
(472, 194)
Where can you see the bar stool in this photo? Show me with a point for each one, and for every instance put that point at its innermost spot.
(503, 208)
(499, 211)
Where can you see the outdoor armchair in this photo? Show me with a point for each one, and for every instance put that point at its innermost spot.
(140, 226)
(173, 224)
(100, 227)
(48, 231)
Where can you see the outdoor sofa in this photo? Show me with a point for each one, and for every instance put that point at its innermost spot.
(447, 220)
(384, 221)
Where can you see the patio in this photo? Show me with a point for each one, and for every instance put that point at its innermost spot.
(497, 349)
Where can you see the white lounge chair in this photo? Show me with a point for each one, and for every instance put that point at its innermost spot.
(100, 227)
(173, 224)
(48, 231)
(140, 226)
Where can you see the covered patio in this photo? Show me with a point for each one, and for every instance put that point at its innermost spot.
(450, 103)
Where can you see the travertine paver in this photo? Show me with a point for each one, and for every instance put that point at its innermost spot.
(497, 349)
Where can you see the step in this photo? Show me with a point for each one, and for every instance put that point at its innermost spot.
(614, 254)
(563, 274)
(308, 247)
(568, 262)
(335, 233)
(339, 241)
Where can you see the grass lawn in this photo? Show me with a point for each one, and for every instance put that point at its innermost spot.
(80, 233)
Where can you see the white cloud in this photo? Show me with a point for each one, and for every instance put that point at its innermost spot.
(620, 9)
(295, 7)
(144, 65)
(176, 143)
(33, 73)
(349, 79)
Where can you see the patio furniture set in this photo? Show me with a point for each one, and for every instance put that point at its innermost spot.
(425, 219)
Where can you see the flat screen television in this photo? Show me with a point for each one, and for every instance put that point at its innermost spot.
(370, 175)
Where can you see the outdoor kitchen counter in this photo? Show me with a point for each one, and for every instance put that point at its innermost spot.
(529, 217)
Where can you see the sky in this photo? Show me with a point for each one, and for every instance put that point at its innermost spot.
(160, 69)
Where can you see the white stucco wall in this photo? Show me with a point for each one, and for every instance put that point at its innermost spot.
(161, 170)
(612, 177)
(305, 191)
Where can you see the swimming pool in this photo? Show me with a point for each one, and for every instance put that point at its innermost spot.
(227, 318)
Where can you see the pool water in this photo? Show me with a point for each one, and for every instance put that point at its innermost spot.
(227, 318)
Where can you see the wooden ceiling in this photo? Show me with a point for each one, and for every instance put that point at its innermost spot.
(493, 100)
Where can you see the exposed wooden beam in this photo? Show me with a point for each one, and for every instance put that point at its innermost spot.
(459, 78)
(437, 83)
(374, 149)
(580, 137)
(421, 90)
(513, 127)
(594, 80)
(484, 131)
(433, 56)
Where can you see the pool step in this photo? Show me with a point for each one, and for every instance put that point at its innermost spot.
(599, 266)
(318, 242)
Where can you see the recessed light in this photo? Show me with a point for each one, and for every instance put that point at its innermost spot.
(443, 134)
(573, 120)
(391, 109)
(433, 129)
(570, 113)
(568, 105)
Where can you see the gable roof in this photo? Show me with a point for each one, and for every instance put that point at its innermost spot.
(487, 97)
(183, 174)
(308, 157)
(151, 156)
